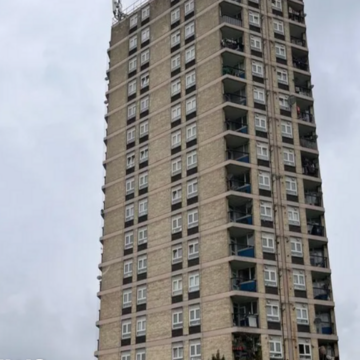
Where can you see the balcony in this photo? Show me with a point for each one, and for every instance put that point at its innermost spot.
(296, 14)
(313, 198)
(328, 350)
(321, 291)
(317, 259)
(232, 20)
(246, 347)
(233, 44)
(308, 140)
(237, 125)
(244, 284)
(231, 38)
(240, 183)
(310, 166)
(236, 98)
(242, 246)
(245, 314)
(315, 227)
(303, 91)
(301, 63)
(241, 214)
(237, 71)
(299, 41)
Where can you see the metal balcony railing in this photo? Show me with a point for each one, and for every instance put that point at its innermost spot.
(303, 91)
(243, 284)
(238, 155)
(242, 250)
(308, 143)
(305, 116)
(324, 327)
(239, 185)
(231, 20)
(246, 320)
(321, 293)
(240, 217)
(235, 98)
(300, 64)
(318, 260)
(298, 41)
(312, 198)
(296, 16)
(238, 125)
(234, 71)
(310, 168)
(234, 44)
(315, 229)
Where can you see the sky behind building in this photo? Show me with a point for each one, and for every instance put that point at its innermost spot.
(52, 67)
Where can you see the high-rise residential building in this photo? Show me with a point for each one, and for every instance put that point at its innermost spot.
(214, 236)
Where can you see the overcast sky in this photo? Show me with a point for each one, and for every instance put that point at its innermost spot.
(52, 68)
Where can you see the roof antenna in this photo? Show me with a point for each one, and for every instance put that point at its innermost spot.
(117, 10)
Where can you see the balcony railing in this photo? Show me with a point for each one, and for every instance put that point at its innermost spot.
(238, 155)
(242, 250)
(321, 293)
(296, 16)
(312, 198)
(308, 142)
(303, 91)
(246, 320)
(324, 327)
(234, 44)
(315, 229)
(235, 98)
(243, 284)
(298, 41)
(300, 64)
(305, 116)
(234, 71)
(231, 20)
(240, 217)
(318, 260)
(238, 125)
(310, 167)
(239, 185)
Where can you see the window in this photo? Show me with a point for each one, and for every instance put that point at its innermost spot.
(260, 122)
(296, 247)
(293, 216)
(257, 68)
(133, 21)
(132, 87)
(284, 102)
(189, 30)
(126, 329)
(275, 345)
(193, 249)
(259, 95)
(145, 35)
(130, 135)
(129, 240)
(278, 27)
(133, 42)
(175, 15)
(144, 80)
(191, 160)
(125, 356)
(302, 315)
(176, 166)
(194, 315)
(289, 157)
(144, 154)
(129, 212)
(143, 180)
(142, 235)
(175, 38)
(190, 105)
(175, 112)
(143, 207)
(140, 354)
(264, 181)
(272, 311)
(145, 57)
(177, 319)
(175, 87)
(128, 268)
(270, 278)
(192, 188)
(262, 151)
(280, 51)
(191, 132)
(190, 79)
(299, 280)
(145, 13)
(177, 286)
(175, 62)
(193, 218)
(141, 295)
(142, 264)
(189, 54)
(189, 6)
(130, 160)
(144, 128)
(130, 185)
(277, 4)
(268, 242)
(195, 350)
(266, 211)
(127, 295)
(177, 351)
(131, 111)
(176, 139)
(141, 327)
(291, 185)
(144, 104)
(282, 76)
(176, 224)
(254, 18)
(176, 195)
(132, 64)
(194, 282)
(304, 349)
(286, 129)
(177, 254)
(255, 43)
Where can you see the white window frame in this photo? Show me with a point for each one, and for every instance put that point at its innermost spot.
(280, 51)
(177, 319)
(133, 21)
(192, 188)
(194, 315)
(191, 160)
(189, 54)
(190, 79)
(175, 38)
(189, 29)
(144, 80)
(145, 57)
(293, 215)
(141, 295)
(195, 350)
(259, 95)
(176, 87)
(296, 247)
(289, 157)
(131, 110)
(175, 62)
(176, 166)
(270, 276)
(176, 195)
(302, 314)
(267, 214)
(298, 276)
(286, 129)
(142, 235)
(176, 139)
(278, 26)
(126, 355)
(275, 347)
(176, 254)
(130, 160)
(177, 286)
(177, 351)
(254, 18)
(132, 64)
(131, 87)
(176, 112)
(193, 249)
(268, 239)
(192, 218)
(144, 154)
(130, 135)
(176, 224)
(272, 311)
(255, 43)
(260, 120)
(189, 7)
(194, 282)
(264, 180)
(276, 4)
(284, 102)
(127, 298)
(190, 105)
(144, 104)
(140, 354)
(128, 268)
(129, 240)
(130, 185)
(133, 42)
(291, 185)
(143, 207)
(129, 212)
(191, 132)
(282, 76)
(175, 15)
(262, 151)
(144, 128)
(141, 326)
(307, 347)
(257, 68)
(142, 264)
(143, 180)
(145, 12)
(126, 329)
